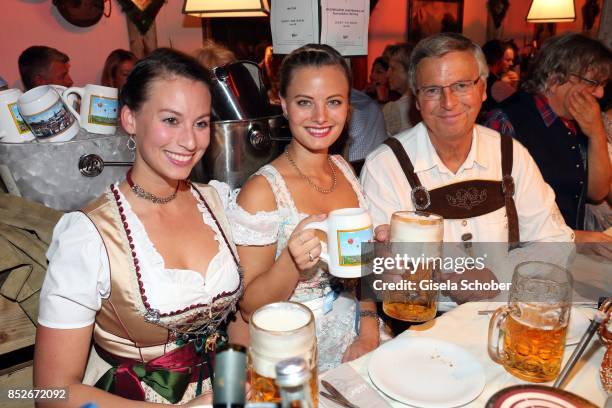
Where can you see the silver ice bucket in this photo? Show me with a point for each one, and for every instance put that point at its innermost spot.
(48, 173)
(239, 147)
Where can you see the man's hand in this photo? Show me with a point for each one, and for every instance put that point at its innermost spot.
(583, 106)
(382, 233)
(471, 275)
(594, 243)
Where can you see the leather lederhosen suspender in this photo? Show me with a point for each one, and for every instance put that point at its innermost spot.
(466, 199)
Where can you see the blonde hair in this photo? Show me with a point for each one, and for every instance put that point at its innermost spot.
(213, 55)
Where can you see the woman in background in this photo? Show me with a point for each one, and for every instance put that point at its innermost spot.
(117, 67)
(378, 87)
(213, 55)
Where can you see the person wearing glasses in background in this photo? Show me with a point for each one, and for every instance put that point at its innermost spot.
(448, 74)
(557, 118)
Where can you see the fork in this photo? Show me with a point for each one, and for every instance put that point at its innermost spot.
(333, 392)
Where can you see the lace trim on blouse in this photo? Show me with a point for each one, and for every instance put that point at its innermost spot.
(263, 227)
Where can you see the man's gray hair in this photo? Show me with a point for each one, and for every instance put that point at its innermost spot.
(439, 45)
(566, 55)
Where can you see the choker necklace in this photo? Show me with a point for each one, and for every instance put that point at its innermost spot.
(140, 192)
(305, 177)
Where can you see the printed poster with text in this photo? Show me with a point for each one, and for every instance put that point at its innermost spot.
(294, 23)
(344, 25)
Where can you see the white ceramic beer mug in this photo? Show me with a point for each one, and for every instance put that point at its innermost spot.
(48, 118)
(346, 229)
(99, 108)
(13, 128)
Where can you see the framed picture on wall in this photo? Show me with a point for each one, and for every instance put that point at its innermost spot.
(427, 17)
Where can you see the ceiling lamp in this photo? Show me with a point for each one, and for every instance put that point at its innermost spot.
(227, 8)
(551, 11)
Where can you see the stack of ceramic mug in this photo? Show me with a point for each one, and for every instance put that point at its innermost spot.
(46, 113)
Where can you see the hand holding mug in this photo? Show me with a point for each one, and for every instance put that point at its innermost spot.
(382, 233)
(303, 245)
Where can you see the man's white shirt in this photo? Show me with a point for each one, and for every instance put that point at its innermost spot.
(387, 189)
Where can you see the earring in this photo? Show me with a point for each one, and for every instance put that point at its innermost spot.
(131, 143)
(285, 115)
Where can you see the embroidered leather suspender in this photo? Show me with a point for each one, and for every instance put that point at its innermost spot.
(466, 199)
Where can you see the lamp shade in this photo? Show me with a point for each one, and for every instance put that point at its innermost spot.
(226, 8)
(551, 11)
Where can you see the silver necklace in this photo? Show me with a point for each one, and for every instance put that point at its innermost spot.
(140, 192)
(310, 182)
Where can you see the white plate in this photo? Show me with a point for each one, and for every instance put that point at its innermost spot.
(426, 372)
(578, 324)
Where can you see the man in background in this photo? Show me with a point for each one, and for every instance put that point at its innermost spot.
(557, 118)
(41, 65)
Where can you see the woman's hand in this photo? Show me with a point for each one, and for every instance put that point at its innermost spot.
(362, 345)
(303, 245)
(204, 400)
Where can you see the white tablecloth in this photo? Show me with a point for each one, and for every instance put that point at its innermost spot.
(464, 327)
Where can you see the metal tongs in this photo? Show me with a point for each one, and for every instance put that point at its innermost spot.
(600, 315)
(91, 165)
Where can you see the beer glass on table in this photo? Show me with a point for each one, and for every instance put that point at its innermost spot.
(416, 234)
(528, 335)
(280, 331)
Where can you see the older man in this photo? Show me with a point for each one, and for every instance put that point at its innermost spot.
(557, 118)
(41, 65)
(487, 187)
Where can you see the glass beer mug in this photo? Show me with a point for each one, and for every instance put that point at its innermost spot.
(422, 234)
(528, 335)
(280, 331)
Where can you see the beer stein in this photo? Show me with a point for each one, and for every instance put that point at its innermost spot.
(528, 335)
(47, 117)
(13, 128)
(280, 331)
(99, 108)
(346, 229)
(415, 234)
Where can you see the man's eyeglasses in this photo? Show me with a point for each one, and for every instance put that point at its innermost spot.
(459, 88)
(591, 83)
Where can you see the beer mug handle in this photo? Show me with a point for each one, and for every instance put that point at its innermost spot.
(322, 226)
(66, 94)
(497, 333)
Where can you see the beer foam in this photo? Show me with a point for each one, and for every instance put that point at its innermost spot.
(279, 331)
(280, 319)
(416, 227)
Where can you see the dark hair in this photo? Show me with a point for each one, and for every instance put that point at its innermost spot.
(113, 61)
(311, 55)
(161, 63)
(382, 62)
(564, 55)
(494, 50)
(36, 60)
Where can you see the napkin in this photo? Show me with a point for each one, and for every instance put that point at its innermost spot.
(352, 386)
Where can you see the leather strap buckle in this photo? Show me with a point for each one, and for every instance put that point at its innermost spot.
(508, 185)
(420, 198)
